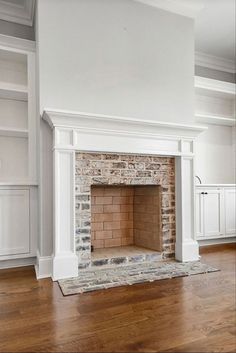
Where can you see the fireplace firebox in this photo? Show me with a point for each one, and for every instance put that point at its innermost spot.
(124, 200)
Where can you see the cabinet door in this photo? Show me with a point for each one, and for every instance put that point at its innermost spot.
(213, 213)
(199, 213)
(230, 210)
(14, 222)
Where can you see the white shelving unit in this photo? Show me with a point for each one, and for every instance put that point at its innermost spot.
(215, 101)
(18, 150)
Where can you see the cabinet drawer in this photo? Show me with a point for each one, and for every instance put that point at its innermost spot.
(14, 222)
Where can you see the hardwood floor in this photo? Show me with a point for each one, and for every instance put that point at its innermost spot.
(191, 314)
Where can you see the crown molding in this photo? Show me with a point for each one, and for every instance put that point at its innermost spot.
(215, 62)
(132, 126)
(21, 12)
(180, 7)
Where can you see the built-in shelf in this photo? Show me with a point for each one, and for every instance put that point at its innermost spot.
(18, 150)
(217, 88)
(13, 91)
(13, 132)
(216, 120)
(214, 101)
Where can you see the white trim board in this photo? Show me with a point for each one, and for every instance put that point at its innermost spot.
(209, 242)
(17, 44)
(215, 120)
(222, 88)
(12, 263)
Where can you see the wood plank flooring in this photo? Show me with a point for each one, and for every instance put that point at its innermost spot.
(190, 314)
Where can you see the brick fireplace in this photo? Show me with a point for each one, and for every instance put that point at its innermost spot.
(97, 151)
(124, 200)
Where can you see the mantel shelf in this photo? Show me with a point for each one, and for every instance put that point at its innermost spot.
(99, 123)
(10, 132)
(13, 91)
(216, 120)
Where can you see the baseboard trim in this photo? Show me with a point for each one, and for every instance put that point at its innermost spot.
(27, 261)
(209, 242)
(43, 266)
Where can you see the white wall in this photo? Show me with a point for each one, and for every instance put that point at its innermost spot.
(215, 161)
(116, 57)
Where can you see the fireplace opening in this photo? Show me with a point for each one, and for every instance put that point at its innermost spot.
(126, 220)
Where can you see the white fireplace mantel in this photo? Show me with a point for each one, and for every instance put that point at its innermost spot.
(75, 131)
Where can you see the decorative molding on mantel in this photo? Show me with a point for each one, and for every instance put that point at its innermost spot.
(184, 7)
(84, 131)
(21, 12)
(215, 62)
(99, 122)
(101, 133)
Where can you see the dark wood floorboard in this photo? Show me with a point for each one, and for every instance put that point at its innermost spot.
(191, 314)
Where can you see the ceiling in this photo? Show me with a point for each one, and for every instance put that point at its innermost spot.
(215, 28)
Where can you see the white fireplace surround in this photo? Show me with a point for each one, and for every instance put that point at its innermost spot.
(74, 131)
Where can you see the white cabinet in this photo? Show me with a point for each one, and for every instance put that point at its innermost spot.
(215, 212)
(18, 222)
(14, 222)
(230, 211)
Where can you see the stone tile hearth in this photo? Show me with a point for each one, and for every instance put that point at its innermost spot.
(103, 278)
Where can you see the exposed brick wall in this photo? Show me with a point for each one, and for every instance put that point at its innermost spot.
(120, 169)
